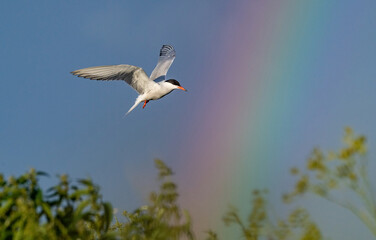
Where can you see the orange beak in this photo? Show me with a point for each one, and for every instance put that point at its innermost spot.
(182, 89)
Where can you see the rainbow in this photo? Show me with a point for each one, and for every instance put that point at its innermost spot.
(263, 54)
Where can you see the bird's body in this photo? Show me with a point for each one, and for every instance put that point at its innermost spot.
(136, 77)
(158, 90)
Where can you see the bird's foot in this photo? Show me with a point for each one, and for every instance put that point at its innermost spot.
(146, 101)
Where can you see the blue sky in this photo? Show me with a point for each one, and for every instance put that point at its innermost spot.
(58, 123)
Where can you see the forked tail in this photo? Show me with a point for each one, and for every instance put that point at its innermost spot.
(138, 100)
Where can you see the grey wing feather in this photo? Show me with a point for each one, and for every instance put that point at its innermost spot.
(134, 76)
(166, 57)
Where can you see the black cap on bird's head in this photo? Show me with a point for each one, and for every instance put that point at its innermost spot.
(173, 81)
(176, 83)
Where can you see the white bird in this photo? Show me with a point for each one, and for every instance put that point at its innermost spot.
(136, 77)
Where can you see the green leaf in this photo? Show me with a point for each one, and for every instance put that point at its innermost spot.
(108, 210)
(6, 207)
(41, 173)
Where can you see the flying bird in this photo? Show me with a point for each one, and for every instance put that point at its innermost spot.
(147, 88)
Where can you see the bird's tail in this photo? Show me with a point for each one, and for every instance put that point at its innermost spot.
(138, 100)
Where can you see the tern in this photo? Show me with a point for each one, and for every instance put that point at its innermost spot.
(147, 87)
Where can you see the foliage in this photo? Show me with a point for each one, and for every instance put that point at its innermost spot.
(162, 219)
(211, 235)
(260, 225)
(77, 211)
(65, 211)
(344, 170)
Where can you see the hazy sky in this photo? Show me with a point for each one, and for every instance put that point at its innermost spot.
(314, 75)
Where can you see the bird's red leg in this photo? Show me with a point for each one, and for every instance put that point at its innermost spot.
(146, 101)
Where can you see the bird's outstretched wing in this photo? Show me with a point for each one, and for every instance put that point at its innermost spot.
(166, 57)
(134, 76)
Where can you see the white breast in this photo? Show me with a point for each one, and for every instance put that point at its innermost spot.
(158, 91)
